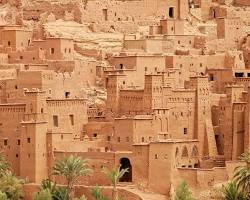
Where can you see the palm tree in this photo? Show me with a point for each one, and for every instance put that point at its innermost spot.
(4, 166)
(183, 192)
(242, 174)
(231, 192)
(71, 168)
(11, 186)
(114, 176)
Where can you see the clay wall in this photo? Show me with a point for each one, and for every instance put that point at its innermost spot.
(123, 134)
(188, 65)
(56, 48)
(230, 29)
(242, 2)
(33, 159)
(234, 60)
(182, 108)
(220, 78)
(11, 133)
(143, 129)
(160, 159)
(86, 69)
(130, 101)
(67, 116)
(96, 161)
(141, 161)
(201, 179)
(172, 27)
(181, 41)
(16, 39)
(33, 56)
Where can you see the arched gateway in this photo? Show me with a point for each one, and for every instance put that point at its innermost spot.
(125, 163)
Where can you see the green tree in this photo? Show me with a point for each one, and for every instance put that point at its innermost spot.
(71, 168)
(242, 174)
(231, 192)
(4, 166)
(43, 195)
(114, 176)
(97, 193)
(183, 192)
(11, 186)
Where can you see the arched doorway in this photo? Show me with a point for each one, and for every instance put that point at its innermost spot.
(125, 163)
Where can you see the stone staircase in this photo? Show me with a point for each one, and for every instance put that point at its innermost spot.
(212, 148)
(195, 16)
(219, 161)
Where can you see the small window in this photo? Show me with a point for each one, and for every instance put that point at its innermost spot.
(16, 155)
(28, 140)
(95, 135)
(65, 50)
(61, 136)
(16, 87)
(67, 95)
(109, 138)
(72, 122)
(156, 156)
(55, 120)
(240, 56)
(18, 142)
(41, 110)
(146, 69)
(105, 14)
(143, 139)
(8, 43)
(52, 50)
(121, 66)
(21, 57)
(171, 12)
(5, 142)
(239, 74)
(185, 131)
(69, 50)
(211, 77)
(118, 139)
